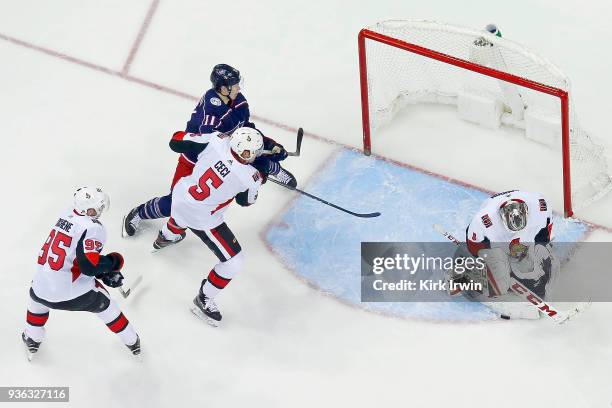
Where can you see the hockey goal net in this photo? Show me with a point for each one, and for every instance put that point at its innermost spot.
(406, 62)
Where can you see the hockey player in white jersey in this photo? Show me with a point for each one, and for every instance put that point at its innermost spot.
(223, 173)
(512, 232)
(69, 263)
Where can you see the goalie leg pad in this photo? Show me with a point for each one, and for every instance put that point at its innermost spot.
(498, 270)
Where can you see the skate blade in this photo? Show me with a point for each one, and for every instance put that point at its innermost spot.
(29, 355)
(155, 250)
(123, 231)
(202, 316)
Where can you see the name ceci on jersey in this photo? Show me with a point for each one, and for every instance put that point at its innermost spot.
(222, 169)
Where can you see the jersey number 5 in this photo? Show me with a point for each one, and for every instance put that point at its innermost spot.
(55, 241)
(201, 191)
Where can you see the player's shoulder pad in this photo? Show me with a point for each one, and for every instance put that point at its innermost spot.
(240, 101)
(95, 226)
(212, 102)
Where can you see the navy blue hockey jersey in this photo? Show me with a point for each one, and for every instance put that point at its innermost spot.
(211, 114)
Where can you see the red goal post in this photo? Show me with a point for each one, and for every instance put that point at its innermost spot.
(433, 54)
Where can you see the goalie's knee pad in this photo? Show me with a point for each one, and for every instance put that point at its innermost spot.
(497, 270)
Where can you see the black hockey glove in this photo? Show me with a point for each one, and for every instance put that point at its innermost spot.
(117, 260)
(280, 153)
(112, 279)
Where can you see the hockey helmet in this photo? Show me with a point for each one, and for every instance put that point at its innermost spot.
(224, 75)
(246, 143)
(91, 198)
(514, 214)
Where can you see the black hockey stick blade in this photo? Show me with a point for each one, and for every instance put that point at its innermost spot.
(314, 197)
(298, 144)
(126, 293)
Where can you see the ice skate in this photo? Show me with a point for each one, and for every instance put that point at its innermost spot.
(31, 346)
(285, 177)
(207, 310)
(161, 242)
(135, 348)
(131, 221)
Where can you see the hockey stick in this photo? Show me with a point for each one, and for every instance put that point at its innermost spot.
(518, 288)
(360, 215)
(126, 293)
(298, 145)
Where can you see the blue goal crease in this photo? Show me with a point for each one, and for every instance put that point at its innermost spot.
(322, 245)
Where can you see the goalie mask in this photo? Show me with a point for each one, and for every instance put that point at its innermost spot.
(514, 214)
(91, 201)
(247, 144)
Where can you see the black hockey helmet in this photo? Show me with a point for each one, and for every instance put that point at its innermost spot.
(224, 75)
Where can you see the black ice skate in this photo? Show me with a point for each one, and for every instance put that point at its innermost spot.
(135, 348)
(31, 346)
(131, 222)
(161, 241)
(285, 177)
(206, 309)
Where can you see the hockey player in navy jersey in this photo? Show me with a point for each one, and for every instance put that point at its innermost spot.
(221, 109)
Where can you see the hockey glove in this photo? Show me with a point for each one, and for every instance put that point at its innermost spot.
(112, 279)
(117, 260)
(279, 153)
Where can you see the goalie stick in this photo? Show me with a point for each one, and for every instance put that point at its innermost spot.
(518, 288)
(314, 197)
(126, 293)
(298, 145)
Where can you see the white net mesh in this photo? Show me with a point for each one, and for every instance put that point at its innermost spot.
(397, 77)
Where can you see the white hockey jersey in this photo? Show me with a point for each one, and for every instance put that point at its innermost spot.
(200, 200)
(487, 230)
(58, 277)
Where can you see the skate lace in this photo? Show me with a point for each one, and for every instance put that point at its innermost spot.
(135, 220)
(211, 305)
(283, 176)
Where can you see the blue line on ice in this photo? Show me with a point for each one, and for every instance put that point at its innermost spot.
(322, 245)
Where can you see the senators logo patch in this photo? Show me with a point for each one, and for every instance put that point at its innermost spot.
(486, 220)
(543, 205)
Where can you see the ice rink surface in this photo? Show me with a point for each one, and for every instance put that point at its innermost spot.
(91, 93)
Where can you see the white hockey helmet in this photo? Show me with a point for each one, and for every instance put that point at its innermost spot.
(514, 214)
(246, 143)
(91, 198)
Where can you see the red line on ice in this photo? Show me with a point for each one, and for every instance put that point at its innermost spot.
(143, 30)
